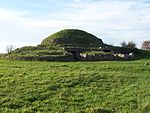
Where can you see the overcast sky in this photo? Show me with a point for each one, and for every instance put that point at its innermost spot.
(28, 22)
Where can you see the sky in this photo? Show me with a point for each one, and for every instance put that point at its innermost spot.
(28, 22)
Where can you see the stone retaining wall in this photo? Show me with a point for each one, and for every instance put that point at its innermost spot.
(103, 57)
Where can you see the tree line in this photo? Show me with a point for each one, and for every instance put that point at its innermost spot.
(132, 45)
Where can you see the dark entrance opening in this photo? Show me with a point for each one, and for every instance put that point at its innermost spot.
(75, 52)
(75, 55)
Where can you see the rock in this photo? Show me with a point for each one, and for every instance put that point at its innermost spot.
(83, 56)
(131, 54)
(123, 56)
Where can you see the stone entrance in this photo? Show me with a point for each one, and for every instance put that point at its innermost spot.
(75, 52)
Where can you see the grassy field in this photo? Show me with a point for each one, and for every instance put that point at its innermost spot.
(74, 87)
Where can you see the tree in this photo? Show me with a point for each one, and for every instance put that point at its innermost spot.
(10, 48)
(130, 45)
(146, 45)
(124, 44)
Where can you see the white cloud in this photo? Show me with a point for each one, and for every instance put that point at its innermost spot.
(8, 14)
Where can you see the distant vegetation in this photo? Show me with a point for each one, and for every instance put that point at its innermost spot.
(146, 45)
(10, 49)
(130, 45)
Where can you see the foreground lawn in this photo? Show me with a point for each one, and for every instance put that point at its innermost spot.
(74, 87)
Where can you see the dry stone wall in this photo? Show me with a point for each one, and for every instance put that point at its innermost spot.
(104, 57)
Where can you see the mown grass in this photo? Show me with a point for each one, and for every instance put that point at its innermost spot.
(74, 87)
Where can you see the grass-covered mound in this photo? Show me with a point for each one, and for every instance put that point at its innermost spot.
(52, 48)
(72, 37)
(66, 45)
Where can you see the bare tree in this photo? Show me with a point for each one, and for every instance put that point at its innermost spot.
(10, 48)
(146, 45)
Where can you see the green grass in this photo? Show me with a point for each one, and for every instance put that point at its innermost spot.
(39, 53)
(96, 52)
(39, 50)
(74, 87)
(73, 37)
